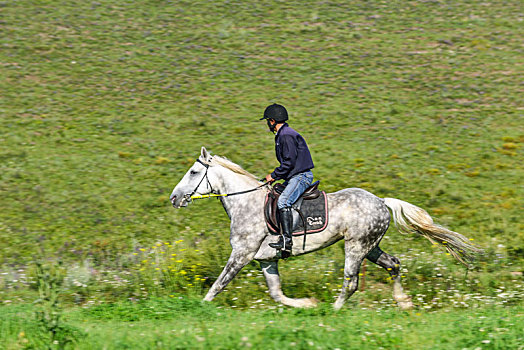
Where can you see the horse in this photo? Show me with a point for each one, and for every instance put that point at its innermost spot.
(355, 215)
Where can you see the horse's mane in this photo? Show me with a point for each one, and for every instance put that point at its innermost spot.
(226, 163)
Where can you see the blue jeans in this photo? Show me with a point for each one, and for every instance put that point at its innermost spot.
(294, 189)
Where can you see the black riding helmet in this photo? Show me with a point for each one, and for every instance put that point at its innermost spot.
(276, 112)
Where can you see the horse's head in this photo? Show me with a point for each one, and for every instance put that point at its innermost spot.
(195, 181)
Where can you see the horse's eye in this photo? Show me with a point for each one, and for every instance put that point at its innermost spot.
(192, 172)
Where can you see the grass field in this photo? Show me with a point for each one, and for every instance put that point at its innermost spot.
(105, 105)
(188, 324)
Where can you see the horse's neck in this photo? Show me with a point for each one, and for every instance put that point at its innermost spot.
(232, 183)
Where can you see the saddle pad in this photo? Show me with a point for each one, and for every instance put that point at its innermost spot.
(314, 213)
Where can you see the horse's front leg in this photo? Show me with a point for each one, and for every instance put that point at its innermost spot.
(270, 269)
(239, 258)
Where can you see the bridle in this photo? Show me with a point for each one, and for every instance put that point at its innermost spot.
(191, 196)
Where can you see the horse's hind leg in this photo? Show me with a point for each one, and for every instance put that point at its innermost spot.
(392, 266)
(270, 269)
(353, 258)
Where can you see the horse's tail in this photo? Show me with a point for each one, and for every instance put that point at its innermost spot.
(412, 219)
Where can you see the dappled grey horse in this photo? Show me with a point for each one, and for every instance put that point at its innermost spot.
(355, 215)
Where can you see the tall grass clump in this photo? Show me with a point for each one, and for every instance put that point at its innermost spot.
(168, 267)
(51, 332)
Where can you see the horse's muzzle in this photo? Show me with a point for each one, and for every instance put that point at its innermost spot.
(174, 202)
(182, 202)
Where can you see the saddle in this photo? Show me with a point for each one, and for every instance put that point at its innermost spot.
(310, 211)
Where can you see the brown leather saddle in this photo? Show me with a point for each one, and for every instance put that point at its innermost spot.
(311, 212)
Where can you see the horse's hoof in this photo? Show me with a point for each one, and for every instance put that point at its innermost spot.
(405, 305)
(314, 301)
(310, 302)
(338, 305)
(306, 303)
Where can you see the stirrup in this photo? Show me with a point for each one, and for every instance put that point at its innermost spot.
(278, 245)
(281, 244)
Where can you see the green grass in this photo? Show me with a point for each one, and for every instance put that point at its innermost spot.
(181, 323)
(105, 105)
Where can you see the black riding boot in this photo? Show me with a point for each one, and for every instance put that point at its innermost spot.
(285, 241)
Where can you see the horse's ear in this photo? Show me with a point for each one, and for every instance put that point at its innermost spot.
(205, 154)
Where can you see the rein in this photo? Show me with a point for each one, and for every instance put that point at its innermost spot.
(190, 197)
(228, 194)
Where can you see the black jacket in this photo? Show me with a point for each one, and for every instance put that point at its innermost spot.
(292, 153)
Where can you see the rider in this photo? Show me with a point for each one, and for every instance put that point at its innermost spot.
(295, 168)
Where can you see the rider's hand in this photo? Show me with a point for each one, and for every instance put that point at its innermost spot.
(269, 178)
